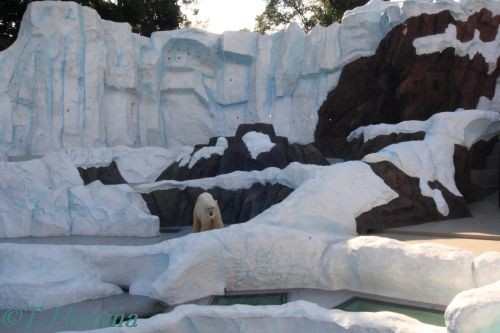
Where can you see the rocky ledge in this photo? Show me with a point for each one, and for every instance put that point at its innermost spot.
(237, 157)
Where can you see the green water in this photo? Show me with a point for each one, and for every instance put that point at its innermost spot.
(427, 316)
(262, 299)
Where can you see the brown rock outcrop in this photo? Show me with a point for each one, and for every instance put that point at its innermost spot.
(396, 84)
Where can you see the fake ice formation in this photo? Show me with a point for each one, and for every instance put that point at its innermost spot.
(432, 158)
(296, 317)
(439, 42)
(74, 80)
(475, 310)
(257, 143)
(198, 265)
(46, 196)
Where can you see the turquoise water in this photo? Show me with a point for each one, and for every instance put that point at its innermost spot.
(259, 299)
(423, 315)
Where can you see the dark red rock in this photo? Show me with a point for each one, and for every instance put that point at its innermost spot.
(243, 129)
(410, 207)
(396, 85)
(484, 21)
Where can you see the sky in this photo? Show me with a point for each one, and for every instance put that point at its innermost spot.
(228, 15)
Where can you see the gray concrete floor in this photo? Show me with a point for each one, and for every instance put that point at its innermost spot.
(484, 223)
(478, 234)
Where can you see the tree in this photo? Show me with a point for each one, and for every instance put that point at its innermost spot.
(145, 16)
(307, 13)
(11, 13)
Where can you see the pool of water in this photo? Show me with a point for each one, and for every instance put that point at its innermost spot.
(428, 316)
(256, 299)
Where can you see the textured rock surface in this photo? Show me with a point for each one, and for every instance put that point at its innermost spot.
(358, 148)
(175, 206)
(352, 186)
(240, 257)
(296, 317)
(100, 210)
(396, 84)
(432, 159)
(74, 80)
(487, 268)
(431, 176)
(108, 175)
(475, 310)
(118, 165)
(237, 157)
(466, 160)
(411, 207)
(46, 197)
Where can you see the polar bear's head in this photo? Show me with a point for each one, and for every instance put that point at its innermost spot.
(211, 208)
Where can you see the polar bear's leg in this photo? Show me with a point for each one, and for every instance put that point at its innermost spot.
(217, 224)
(205, 225)
(218, 218)
(196, 224)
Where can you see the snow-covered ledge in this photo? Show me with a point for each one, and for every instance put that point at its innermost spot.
(432, 158)
(296, 317)
(241, 257)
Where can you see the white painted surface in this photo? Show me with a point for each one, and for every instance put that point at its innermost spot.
(72, 80)
(257, 143)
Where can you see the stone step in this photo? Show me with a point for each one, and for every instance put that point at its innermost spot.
(493, 161)
(486, 178)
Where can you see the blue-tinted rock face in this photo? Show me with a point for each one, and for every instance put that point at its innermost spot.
(74, 80)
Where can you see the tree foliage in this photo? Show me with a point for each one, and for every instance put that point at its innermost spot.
(307, 13)
(145, 16)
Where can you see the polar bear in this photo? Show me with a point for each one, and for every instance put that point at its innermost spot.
(206, 213)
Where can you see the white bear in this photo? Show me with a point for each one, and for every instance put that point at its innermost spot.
(206, 213)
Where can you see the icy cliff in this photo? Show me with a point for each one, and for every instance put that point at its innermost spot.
(199, 265)
(74, 80)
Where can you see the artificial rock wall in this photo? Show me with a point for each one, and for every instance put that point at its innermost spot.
(74, 80)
